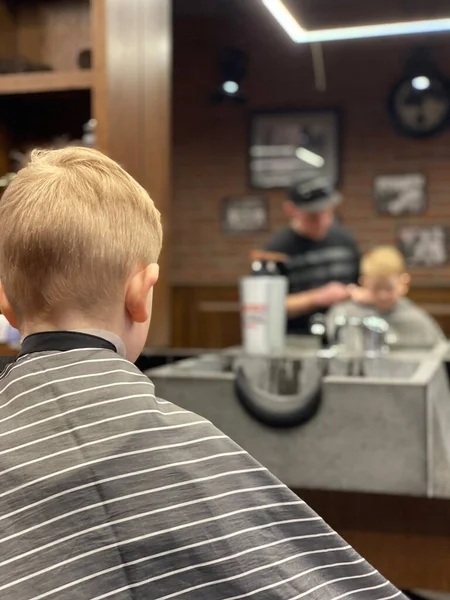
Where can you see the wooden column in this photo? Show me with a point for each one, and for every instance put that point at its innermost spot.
(132, 48)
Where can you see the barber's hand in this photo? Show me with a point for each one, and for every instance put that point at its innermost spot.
(360, 295)
(331, 294)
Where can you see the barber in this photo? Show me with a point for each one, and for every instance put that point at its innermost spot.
(322, 257)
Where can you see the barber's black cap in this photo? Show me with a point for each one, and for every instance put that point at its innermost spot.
(313, 195)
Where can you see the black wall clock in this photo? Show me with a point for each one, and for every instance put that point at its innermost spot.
(419, 106)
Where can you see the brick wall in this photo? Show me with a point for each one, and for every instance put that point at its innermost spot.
(210, 142)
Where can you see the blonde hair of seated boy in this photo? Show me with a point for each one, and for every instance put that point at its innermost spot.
(384, 276)
(79, 247)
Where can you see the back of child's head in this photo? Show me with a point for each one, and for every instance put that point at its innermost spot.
(74, 227)
(383, 261)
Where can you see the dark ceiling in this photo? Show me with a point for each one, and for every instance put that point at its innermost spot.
(201, 7)
(326, 13)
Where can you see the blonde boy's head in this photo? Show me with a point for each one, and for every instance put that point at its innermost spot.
(74, 228)
(383, 273)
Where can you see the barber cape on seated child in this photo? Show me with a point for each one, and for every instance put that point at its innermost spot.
(386, 282)
(107, 491)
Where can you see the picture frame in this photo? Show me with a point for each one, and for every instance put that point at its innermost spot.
(287, 147)
(424, 245)
(245, 214)
(400, 194)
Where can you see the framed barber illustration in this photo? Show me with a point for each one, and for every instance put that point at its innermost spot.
(424, 245)
(400, 194)
(286, 148)
(245, 214)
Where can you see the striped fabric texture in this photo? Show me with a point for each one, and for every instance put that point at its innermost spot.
(109, 492)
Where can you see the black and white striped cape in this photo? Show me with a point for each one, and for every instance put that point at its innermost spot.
(109, 492)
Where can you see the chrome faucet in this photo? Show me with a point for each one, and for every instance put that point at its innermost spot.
(358, 339)
(367, 336)
(376, 336)
(354, 340)
(324, 354)
(318, 328)
(348, 335)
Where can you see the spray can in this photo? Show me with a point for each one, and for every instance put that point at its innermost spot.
(263, 311)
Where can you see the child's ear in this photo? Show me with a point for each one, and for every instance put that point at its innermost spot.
(138, 292)
(5, 308)
(405, 280)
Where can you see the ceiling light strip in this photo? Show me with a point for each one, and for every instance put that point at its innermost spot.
(372, 31)
(301, 36)
(287, 21)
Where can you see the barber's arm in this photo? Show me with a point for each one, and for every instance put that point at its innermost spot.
(360, 294)
(323, 297)
(305, 302)
(301, 303)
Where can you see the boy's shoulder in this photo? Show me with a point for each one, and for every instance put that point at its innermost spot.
(408, 307)
(414, 324)
(409, 310)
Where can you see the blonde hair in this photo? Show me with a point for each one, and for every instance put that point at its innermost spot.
(74, 225)
(383, 261)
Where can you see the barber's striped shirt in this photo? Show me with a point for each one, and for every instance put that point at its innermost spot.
(109, 492)
(314, 263)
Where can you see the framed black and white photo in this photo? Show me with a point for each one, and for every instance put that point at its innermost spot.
(245, 214)
(289, 147)
(424, 245)
(398, 195)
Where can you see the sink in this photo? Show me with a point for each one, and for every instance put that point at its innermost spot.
(208, 363)
(378, 368)
(384, 429)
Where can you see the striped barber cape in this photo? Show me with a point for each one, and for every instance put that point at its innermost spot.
(109, 492)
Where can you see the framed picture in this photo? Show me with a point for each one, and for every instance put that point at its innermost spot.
(424, 245)
(288, 147)
(397, 195)
(245, 214)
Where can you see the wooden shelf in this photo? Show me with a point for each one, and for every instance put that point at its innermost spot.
(48, 81)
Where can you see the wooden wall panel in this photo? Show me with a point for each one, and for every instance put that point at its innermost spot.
(207, 316)
(407, 539)
(436, 301)
(8, 40)
(132, 103)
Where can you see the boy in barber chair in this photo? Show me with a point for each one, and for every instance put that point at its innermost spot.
(384, 285)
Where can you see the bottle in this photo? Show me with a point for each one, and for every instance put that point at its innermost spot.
(263, 311)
